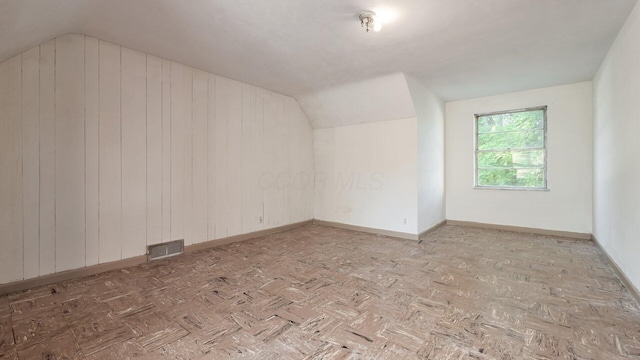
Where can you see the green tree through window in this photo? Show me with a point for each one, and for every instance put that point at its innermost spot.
(511, 149)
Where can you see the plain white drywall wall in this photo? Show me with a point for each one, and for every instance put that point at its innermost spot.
(114, 149)
(616, 129)
(431, 160)
(366, 174)
(567, 206)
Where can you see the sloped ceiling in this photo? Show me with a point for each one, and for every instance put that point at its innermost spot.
(457, 48)
(382, 98)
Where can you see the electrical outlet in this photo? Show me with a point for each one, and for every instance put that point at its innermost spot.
(260, 218)
(405, 221)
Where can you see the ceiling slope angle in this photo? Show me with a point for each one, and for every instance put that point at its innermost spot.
(457, 48)
(379, 99)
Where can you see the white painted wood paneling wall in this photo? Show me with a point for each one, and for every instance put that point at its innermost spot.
(105, 150)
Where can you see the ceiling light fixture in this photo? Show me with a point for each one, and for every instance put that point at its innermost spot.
(368, 21)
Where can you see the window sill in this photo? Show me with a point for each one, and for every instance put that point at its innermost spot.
(509, 188)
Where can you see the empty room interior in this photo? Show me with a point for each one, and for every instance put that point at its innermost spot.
(334, 179)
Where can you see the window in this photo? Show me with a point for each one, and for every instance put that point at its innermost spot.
(511, 149)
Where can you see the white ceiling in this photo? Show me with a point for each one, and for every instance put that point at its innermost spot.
(457, 48)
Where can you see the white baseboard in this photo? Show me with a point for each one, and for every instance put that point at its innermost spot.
(397, 234)
(125, 263)
(528, 230)
(621, 275)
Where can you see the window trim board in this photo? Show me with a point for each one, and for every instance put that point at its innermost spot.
(545, 149)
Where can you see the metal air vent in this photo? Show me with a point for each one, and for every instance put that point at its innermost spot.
(164, 250)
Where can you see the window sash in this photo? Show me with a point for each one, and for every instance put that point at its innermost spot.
(543, 149)
(510, 167)
(512, 149)
(510, 131)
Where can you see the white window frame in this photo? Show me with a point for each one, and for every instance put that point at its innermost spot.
(544, 148)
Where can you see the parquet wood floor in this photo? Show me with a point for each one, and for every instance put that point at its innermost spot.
(323, 293)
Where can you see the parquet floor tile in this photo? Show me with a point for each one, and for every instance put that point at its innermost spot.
(324, 293)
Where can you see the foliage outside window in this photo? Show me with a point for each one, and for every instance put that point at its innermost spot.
(511, 149)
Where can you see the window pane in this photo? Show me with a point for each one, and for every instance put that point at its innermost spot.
(511, 149)
(531, 178)
(513, 158)
(525, 120)
(511, 140)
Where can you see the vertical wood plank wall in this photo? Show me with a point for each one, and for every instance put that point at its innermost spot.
(69, 132)
(110, 161)
(105, 150)
(30, 159)
(11, 165)
(47, 234)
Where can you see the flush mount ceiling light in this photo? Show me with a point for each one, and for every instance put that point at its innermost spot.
(368, 21)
